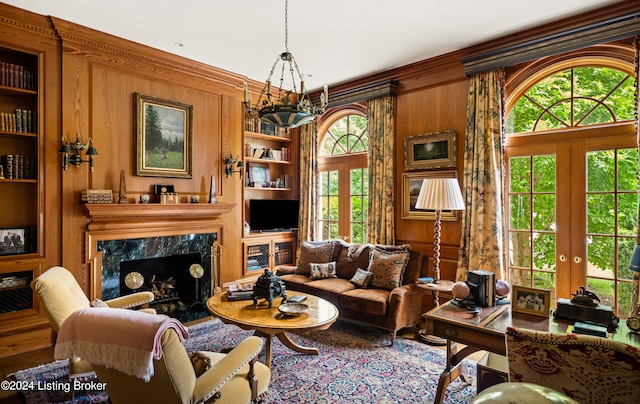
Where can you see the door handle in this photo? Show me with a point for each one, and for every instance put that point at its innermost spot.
(577, 259)
(563, 258)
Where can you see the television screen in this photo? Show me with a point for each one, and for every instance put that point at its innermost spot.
(273, 214)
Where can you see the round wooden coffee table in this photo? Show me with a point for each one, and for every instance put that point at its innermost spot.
(269, 322)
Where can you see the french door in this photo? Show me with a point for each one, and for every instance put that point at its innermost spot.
(343, 198)
(572, 211)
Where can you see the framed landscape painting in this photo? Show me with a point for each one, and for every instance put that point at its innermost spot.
(411, 184)
(432, 150)
(164, 138)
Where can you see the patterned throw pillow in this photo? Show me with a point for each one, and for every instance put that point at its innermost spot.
(200, 362)
(320, 253)
(387, 266)
(361, 278)
(322, 271)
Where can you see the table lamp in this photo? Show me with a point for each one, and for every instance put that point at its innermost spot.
(439, 194)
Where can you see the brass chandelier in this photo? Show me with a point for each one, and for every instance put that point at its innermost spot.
(291, 108)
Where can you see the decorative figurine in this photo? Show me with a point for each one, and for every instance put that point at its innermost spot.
(212, 194)
(269, 286)
(122, 197)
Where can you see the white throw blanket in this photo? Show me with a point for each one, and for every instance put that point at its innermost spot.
(125, 340)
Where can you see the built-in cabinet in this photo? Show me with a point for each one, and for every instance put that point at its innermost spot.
(29, 63)
(268, 250)
(19, 197)
(273, 152)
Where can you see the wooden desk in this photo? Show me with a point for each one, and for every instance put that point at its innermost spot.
(486, 332)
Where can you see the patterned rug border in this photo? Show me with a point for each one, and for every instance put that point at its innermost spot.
(354, 366)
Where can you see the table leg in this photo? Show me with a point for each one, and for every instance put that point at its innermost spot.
(453, 369)
(422, 334)
(284, 338)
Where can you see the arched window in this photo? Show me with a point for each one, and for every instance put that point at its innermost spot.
(571, 186)
(344, 176)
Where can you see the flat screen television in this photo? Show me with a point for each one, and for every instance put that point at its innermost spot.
(273, 214)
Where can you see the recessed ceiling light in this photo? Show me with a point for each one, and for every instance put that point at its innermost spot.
(178, 44)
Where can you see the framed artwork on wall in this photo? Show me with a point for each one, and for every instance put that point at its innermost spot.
(164, 137)
(432, 150)
(411, 184)
(530, 301)
(258, 174)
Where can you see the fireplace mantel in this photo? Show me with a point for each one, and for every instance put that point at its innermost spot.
(132, 216)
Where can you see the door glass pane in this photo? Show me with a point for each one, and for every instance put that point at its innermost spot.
(359, 202)
(600, 253)
(520, 254)
(520, 174)
(544, 173)
(544, 212)
(520, 215)
(601, 171)
(544, 251)
(600, 214)
(625, 250)
(328, 201)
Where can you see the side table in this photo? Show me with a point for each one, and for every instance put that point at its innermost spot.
(435, 288)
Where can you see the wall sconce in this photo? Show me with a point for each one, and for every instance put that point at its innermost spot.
(229, 162)
(71, 152)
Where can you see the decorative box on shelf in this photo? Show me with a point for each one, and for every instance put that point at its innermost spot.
(169, 198)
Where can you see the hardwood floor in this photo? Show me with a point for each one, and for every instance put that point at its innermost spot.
(27, 360)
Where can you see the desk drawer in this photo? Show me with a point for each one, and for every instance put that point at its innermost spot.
(479, 338)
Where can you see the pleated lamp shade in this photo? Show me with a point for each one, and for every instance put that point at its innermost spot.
(440, 194)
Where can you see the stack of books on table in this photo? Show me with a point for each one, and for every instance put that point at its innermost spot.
(483, 287)
(240, 291)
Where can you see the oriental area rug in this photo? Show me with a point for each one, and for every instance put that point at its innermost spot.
(354, 366)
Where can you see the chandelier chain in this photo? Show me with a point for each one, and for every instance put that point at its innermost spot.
(286, 25)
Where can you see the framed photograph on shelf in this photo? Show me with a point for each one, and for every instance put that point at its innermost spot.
(13, 241)
(411, 184)
(432, 150)
(530, 301)
(164, 138)
(258, 174)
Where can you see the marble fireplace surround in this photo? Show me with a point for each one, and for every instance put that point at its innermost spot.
(182, 226)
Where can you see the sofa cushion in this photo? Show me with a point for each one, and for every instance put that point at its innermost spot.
(332, 285)
(362, 278)
(318, 252)
(387, 266)
(291, 280)
(346, 268)
(366, 301)
(322, 271)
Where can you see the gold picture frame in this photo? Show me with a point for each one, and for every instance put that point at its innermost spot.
(164, 138)
(431, 150)
(530, 301)
(411, 184)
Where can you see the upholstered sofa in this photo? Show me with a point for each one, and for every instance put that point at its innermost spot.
(391, 300)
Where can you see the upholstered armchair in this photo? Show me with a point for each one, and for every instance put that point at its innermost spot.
(588, 369)
(142, 359)
(60, 295)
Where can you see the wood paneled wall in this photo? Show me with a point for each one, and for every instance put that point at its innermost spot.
(100, 74)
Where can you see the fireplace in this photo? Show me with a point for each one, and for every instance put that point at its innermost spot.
(164, 265)
(119, 233)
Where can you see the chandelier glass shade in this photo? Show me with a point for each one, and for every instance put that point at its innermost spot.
(287, 108)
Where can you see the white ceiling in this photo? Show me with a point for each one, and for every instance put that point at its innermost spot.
(333, 41)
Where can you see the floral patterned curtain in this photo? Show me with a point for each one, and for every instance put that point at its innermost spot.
(633, 310)
(481, 244)
(308, 183)
(381, 170)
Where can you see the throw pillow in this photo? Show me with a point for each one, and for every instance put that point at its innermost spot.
(361, 278)
(322, 271)
(320, 253)
(387, 267)
(98, 303)
(200, 362)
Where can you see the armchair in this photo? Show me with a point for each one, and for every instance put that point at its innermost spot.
(173, 377)
(60, 295)
(588, 369)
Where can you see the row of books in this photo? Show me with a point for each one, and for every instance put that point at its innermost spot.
(14, 75)
(266, 128)
(268, 153)
(19, 166)
(253, 265)
(283, 257)
(97, 196)
(22, 120)
(483, 287)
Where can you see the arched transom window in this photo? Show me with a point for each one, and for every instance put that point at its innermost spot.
(346, 135)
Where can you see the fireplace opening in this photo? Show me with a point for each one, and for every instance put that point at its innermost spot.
(176, 291)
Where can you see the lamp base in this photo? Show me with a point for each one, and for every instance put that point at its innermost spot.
(430, 339)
